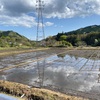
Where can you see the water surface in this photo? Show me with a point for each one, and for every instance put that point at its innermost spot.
(6, 97)
(65, 73)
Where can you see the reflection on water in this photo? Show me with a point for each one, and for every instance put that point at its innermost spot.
(61, 55)
(62, 72)
(98, 78)
(6, 97)
(40, 70)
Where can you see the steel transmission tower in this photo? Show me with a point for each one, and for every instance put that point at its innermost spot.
(40, 24)
(40, 41)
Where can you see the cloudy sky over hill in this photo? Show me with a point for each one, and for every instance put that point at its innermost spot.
(59, 15)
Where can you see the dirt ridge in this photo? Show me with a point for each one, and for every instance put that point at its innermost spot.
(29, 93)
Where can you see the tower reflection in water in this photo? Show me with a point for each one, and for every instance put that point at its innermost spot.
(41, 70)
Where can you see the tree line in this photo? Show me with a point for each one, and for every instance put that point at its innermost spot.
(85, 39)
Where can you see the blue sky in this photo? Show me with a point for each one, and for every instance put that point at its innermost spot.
(59, 15)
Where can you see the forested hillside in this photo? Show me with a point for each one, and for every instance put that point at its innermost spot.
(13, 39)
(88, 36)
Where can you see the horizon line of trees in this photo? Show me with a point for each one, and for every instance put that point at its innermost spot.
(11, 39)
(64, 39)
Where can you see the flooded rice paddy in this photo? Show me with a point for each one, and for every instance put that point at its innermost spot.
(71, 72)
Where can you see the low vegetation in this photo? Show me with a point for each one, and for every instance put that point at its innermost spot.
(29, 93)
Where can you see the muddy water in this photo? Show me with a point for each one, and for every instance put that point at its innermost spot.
(65, 73)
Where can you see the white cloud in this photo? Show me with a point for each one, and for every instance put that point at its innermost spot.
(24, 20)
(49, 23)
(70, 8)
(1, 8)
(19, 10)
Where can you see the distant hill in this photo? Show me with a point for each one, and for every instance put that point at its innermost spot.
(87, 36)
(13, 39)
(84, 36)
(88, 29)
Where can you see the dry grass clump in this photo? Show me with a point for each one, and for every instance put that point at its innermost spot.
(17, 89)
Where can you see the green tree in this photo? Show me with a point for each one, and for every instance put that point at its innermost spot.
(65, 44)
(80, 43)
(63, 38)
